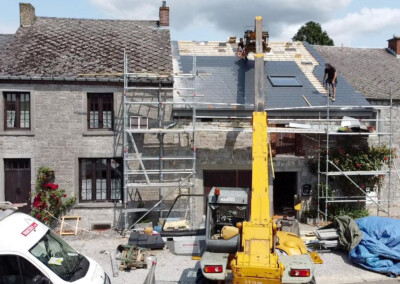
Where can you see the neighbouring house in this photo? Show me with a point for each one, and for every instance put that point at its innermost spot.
(61, 85)
(375, 73)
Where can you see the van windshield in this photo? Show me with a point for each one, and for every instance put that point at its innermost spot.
(60, 257)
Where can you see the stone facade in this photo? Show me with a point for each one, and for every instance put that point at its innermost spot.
(389, 123)
(59, 137)
(59, 134)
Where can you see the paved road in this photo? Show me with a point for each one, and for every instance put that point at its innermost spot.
(337, 268)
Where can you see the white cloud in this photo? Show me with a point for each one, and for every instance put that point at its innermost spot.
(367, 23)
(229, 17)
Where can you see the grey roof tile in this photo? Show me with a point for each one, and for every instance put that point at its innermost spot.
(373, 72)
(62, 47)
(4, 40)
(231, 80)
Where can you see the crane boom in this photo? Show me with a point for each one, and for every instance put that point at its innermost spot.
(256, 261)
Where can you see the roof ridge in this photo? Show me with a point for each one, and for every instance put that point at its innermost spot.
(87, 19)
(349, 47)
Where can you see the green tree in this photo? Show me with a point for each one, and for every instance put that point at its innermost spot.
(313, 34)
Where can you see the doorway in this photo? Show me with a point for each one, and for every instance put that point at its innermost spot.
(284, 191)
(17, 182)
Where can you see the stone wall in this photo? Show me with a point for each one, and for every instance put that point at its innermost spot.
(59, 137)
(390, 119)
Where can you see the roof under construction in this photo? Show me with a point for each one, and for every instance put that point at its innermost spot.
(293, 80)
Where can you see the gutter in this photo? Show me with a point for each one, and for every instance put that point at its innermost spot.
(168, 80)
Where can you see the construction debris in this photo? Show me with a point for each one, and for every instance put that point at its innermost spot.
(146, 241)
(132, 257)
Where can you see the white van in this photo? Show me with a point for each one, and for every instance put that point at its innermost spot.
(31, 253)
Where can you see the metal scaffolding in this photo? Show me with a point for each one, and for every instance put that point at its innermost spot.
(383, 204)
(166, 170)
(156, 163)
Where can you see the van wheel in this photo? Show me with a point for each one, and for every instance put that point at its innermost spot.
(200, 279)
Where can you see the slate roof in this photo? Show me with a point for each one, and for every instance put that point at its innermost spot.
(228, 79)
(4, 39)
(63, 47)
(373, 72)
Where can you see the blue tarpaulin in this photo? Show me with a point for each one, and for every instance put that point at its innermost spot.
(379, 249)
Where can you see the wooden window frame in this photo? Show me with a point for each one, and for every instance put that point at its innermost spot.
(108, 179)
(17, 111)
(101, 100)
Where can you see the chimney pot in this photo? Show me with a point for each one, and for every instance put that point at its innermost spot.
(26, 14)
(164, 15)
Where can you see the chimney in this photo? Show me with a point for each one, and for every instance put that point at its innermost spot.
(394, 45)
(164, 15)
(26, 14)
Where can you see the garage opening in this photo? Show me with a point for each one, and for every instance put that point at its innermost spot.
(284, 185)
(228, 178)
(284, 191)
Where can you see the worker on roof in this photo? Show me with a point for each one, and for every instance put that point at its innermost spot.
(241, 50)
(330, 78)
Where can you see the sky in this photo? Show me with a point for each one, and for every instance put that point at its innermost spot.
(350, 23)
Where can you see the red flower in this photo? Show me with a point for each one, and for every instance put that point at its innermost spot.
(386, 158)
(38, 216)
(45, 219)
(358, 165)
(64, 195)
(37, 201)
(51, 186)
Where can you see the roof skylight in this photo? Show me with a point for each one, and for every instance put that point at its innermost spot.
(284, 81)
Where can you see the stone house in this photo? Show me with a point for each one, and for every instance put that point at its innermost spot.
(61, 84)
(295, 99)
(375, 73)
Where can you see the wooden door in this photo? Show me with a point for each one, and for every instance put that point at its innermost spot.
(17, 173)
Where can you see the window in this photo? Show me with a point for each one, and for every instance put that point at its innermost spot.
(60, 257)
(17, 110)
(100, 111)
(138, 122)
(16, 269)
(284, 81)
(100, 179)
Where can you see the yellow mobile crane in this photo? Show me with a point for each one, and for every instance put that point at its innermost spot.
(245, 252)
(257, 260)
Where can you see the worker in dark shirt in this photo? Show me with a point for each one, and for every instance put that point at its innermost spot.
(241, 50)
(330, 77)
